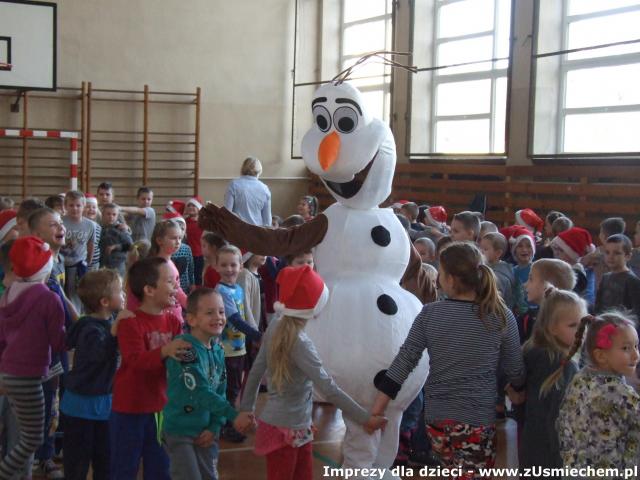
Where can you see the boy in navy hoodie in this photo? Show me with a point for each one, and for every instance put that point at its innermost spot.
(86, 402)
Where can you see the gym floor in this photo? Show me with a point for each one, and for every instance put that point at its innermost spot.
(237, 461)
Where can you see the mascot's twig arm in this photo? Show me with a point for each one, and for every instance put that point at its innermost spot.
(261, 240)
(291, 241)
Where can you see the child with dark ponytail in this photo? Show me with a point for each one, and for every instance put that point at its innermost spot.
(466, 336)
(549, 372)
(599, 420)
(308, 207)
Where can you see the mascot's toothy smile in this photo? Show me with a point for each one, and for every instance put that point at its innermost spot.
(352, 187)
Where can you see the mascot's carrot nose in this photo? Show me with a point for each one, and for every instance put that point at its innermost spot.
(329, 150)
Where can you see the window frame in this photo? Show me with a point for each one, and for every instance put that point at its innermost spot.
(565, 67)
(492, 74)
(387, 84)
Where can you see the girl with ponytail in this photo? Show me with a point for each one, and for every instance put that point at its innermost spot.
(549, 371)
(467, 336)
(293, 368)
(599, 420)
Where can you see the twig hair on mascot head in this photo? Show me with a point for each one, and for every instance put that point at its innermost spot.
(374, 275)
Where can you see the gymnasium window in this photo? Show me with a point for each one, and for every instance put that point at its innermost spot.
(587, 102)
(330, 36)
(366, 27)
(460, 109)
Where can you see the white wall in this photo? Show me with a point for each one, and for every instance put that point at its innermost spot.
(239, 53)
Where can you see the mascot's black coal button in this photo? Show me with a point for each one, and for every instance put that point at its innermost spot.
(387, 305)
(381, 236)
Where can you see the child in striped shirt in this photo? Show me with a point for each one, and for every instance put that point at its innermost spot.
(467, 336)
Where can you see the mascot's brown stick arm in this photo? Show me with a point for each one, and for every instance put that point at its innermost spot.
(416, 280)
(299, 239)
(262, 240)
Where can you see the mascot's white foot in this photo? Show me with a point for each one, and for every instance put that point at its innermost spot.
(363, 451)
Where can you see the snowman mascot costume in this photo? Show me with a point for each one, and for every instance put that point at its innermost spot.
(364, 256)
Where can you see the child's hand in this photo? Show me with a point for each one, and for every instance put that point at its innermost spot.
(205, 439)
(517, 398)
(375, 422)
(175, 349)
(110, 249)
(123, 314)
(244, 422)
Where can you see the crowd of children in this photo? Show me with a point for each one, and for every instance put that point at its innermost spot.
(172, 331)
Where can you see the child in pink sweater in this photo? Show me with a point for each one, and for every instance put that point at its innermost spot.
(31, 327)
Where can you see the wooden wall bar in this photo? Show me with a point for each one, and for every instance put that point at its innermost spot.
(587, 194)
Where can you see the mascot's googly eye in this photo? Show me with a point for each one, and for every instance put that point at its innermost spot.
(322, 118)
(345, 119)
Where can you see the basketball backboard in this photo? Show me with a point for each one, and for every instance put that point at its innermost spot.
(28, 45)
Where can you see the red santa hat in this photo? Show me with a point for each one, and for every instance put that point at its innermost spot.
(516, 234)
(575, 242)
(175, 206)
(7, 222)
(31, 258)
(175, 216)
(436, 216)
(195, 201)
(528, 218)
(246, 255)
(91, 198)
(302, 293)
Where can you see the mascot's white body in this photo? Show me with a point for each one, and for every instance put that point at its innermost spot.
(362, 258)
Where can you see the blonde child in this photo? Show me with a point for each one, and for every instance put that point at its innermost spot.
(237, 330)
(250, 281)
(599, 420)
(79, 245)
(544, 355)
(546, 273)
(115, 240)
(86, 401)
(193, 236)
(197, 407)
(31, 328)
(293, 368)
(165, 241)
(570, 246)
(493, 246)
(467, 336)
(138, 251)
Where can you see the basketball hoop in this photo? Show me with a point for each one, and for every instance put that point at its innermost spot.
(5, 66)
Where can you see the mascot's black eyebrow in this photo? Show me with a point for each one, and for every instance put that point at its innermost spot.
(318, 100)
(348, 100)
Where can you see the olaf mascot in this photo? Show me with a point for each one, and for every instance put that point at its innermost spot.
(364, 256)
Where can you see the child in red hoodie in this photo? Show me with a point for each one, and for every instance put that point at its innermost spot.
(31, 327)
(140, 386)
